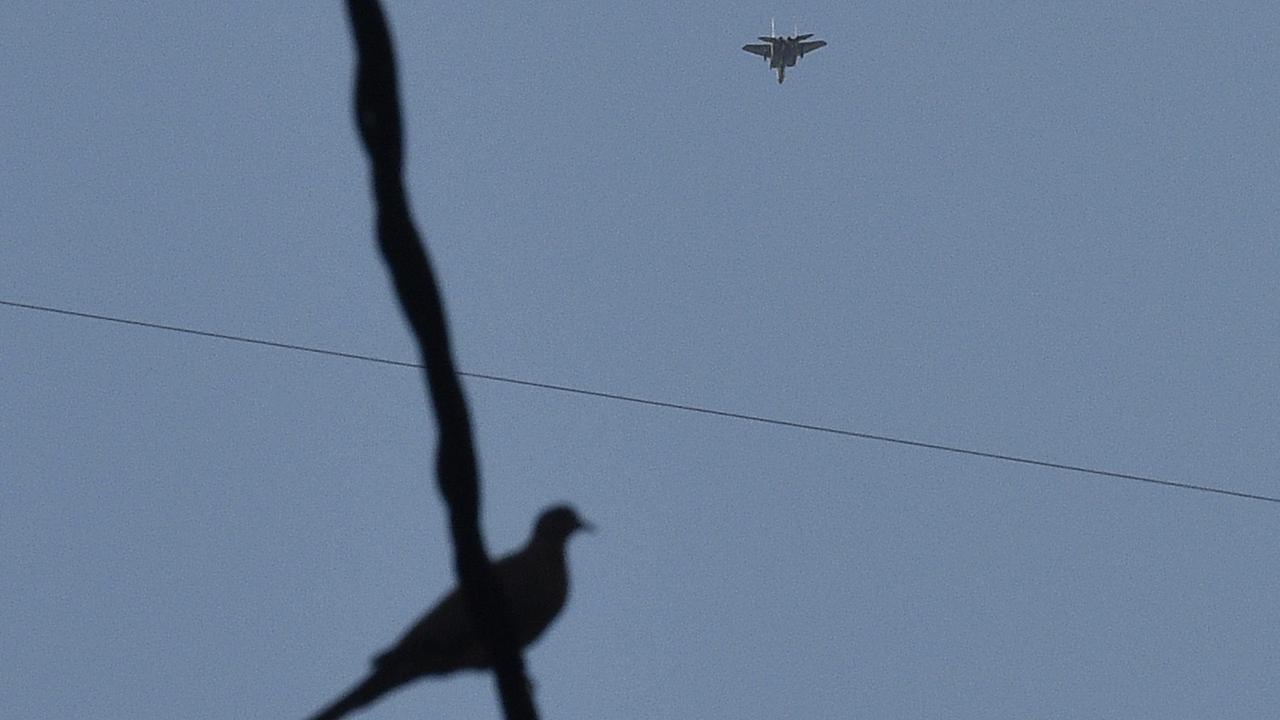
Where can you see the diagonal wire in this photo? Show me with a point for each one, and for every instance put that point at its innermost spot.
(669, 405)
(205, 333)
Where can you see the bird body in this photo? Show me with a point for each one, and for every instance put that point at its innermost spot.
(535, 585)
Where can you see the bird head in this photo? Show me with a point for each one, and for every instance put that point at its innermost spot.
(558, 523)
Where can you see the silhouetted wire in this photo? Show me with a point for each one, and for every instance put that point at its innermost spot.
(671, 405)
(377, 113)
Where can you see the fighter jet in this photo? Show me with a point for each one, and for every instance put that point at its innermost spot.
(782, 52)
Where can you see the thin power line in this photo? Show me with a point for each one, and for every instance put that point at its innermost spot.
(663, 404)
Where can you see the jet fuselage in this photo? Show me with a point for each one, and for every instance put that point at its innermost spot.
(782, 51)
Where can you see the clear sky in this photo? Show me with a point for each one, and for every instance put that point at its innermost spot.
(1045, 229)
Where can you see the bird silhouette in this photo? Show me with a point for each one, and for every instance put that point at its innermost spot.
(535, 584)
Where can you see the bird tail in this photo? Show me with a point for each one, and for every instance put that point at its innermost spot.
(370, 689)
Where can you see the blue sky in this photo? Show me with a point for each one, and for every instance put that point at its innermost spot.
(1044, 229)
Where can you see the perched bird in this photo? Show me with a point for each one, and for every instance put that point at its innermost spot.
(535, 583)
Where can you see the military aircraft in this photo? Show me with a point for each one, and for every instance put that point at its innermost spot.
(781, 51)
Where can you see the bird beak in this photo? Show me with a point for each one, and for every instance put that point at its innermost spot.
(585, 526)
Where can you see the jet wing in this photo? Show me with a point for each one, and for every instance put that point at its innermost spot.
(808, 47)
(763, 51)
